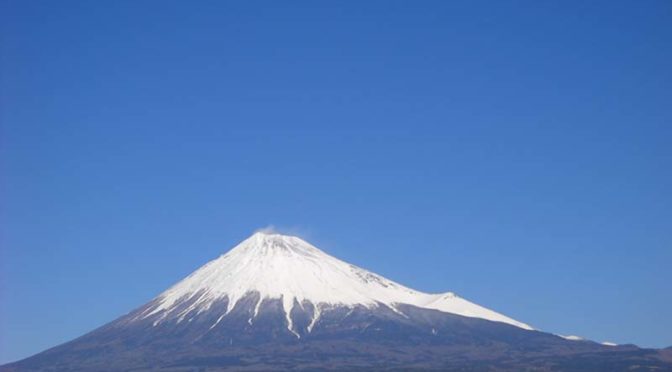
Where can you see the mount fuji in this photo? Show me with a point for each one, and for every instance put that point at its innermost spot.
(292, 271)
(276, 302)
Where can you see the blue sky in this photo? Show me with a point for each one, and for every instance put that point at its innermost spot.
(517, 154)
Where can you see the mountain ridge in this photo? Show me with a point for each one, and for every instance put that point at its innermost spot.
(287, 267)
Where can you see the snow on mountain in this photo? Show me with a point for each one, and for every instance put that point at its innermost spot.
(290, 269)
(573, 338)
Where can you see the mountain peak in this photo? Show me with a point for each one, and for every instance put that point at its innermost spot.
(269, 233)
(287, 268)
(265, 243)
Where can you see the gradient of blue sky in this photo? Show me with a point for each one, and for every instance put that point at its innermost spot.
(518, 154)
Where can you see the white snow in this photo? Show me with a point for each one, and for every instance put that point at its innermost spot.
(292, 270)
(573, 338)
(606, 343)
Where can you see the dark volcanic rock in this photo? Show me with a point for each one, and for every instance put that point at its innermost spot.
(343, 338)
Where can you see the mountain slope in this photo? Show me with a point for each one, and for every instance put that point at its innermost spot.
(288, 268)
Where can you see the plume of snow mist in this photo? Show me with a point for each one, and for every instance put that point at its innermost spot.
(270, 229)
(292, 231)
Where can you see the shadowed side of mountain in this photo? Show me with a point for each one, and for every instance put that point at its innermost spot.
(343, 338)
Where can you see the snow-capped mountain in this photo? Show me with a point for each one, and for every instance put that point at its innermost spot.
(289, 269)
(276, 302)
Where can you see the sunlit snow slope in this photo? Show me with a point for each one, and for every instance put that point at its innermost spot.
(289, 268)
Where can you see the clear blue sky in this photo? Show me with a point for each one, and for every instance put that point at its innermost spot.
(518, 154)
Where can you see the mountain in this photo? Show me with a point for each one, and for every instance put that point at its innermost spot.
(276, 302)
(288, 269)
